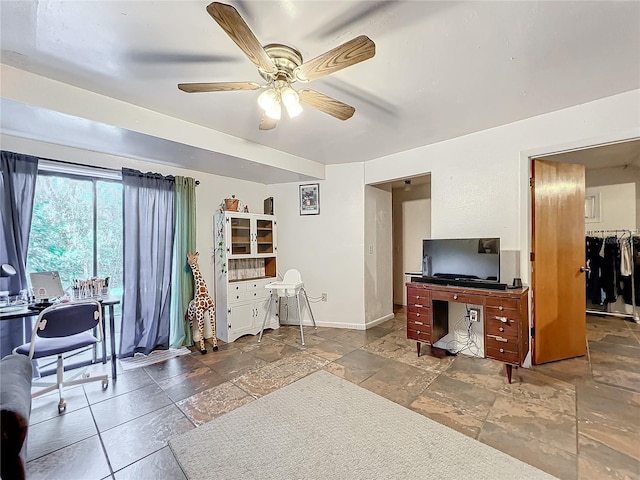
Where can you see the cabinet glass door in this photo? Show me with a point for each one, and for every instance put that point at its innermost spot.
(264, 236)
(240, 236)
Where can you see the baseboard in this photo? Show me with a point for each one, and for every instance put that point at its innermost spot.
(351, 326)
(378, 321)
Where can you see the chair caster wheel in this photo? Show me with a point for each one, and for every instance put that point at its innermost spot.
(105, 384)
(215, 348)
(203, 351)
(62, 406)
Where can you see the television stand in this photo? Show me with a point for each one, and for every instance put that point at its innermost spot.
(505, 318)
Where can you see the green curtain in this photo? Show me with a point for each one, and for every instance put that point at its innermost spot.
(184, 241)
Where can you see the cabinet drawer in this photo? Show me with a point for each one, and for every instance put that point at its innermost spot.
(502, 304)
(259, 284)
(421, 335)
(417, 296)
(457, 297)
(502, 355)
(250, 295)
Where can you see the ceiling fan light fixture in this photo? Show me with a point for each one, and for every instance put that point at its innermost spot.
(293, 109)
(268, 99)
(274, 112)
(289, 96)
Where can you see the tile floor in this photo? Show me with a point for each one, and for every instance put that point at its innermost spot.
(576, 419)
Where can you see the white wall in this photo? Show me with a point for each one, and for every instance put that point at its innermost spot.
(615, 175)
(479, 182)
(209, 193)
(411, 224)
(328, 248)
(378, 263)
(617, 209)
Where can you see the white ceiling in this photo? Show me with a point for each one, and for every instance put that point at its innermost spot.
(441, 69)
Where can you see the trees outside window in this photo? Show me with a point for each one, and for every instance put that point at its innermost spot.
(77, 229)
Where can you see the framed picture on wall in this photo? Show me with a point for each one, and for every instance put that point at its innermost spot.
(310, 199)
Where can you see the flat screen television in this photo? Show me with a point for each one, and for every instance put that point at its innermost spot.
(462, 259)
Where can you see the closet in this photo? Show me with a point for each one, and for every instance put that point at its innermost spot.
(613, 272)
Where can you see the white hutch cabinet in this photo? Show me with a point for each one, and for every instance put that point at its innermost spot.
(245, 261)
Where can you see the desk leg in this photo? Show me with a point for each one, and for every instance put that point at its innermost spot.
(418, 347)
(112, 331)
(509, 371)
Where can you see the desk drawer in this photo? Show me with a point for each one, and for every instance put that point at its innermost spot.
(457, 297)
(502, 355)
(422, 314)
(422, 335)
(502, 304)
(498, 342)
(508, 329)
(419, 324)
(418, 296)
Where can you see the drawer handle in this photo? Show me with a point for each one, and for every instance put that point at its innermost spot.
(500, 307)
(501, 329)
(418, 332)
(418, 305)
(417, 297)
(502, 350)
(418, 323)
(237, 297)
(502, 319)
(455, 297)
(417, 314)
(498, 338)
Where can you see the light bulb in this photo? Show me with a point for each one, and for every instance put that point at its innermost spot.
(294, 109)
(289, 96)
(268, 99)
(274, 112)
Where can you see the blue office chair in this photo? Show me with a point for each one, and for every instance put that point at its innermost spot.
(63, 328)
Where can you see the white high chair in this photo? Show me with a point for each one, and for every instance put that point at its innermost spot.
(290, 287)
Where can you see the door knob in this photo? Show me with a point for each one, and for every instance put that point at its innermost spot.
(585, 269)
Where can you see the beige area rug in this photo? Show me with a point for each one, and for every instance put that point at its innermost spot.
(139, 360)
(324, 427)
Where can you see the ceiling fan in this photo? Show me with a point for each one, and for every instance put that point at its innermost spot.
(281, 66)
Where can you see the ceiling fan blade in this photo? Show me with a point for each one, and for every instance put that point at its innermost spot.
(267, 123)
(217, 86)
(354, 51)
(232, 23)
(326, 104)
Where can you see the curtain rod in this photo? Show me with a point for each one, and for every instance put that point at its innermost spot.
(114, 170)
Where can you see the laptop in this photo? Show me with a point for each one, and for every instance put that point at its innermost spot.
(46, 285)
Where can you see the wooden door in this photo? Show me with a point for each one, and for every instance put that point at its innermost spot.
(558, 246)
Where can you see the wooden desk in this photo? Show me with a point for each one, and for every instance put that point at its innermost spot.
(105, 302)
(505, 317)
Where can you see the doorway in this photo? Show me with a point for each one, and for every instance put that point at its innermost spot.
(612, 184)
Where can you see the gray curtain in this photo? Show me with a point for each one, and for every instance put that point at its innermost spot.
(18, 175)
(148, 213)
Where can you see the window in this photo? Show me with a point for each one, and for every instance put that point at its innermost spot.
(77, 228)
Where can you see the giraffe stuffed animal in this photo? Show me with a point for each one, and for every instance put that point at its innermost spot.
(201, 303)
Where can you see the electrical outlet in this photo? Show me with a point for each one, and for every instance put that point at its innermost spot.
(474, 315)
(370, 249)
(324, 297)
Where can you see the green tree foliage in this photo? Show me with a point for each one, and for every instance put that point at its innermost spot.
(62, 229)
